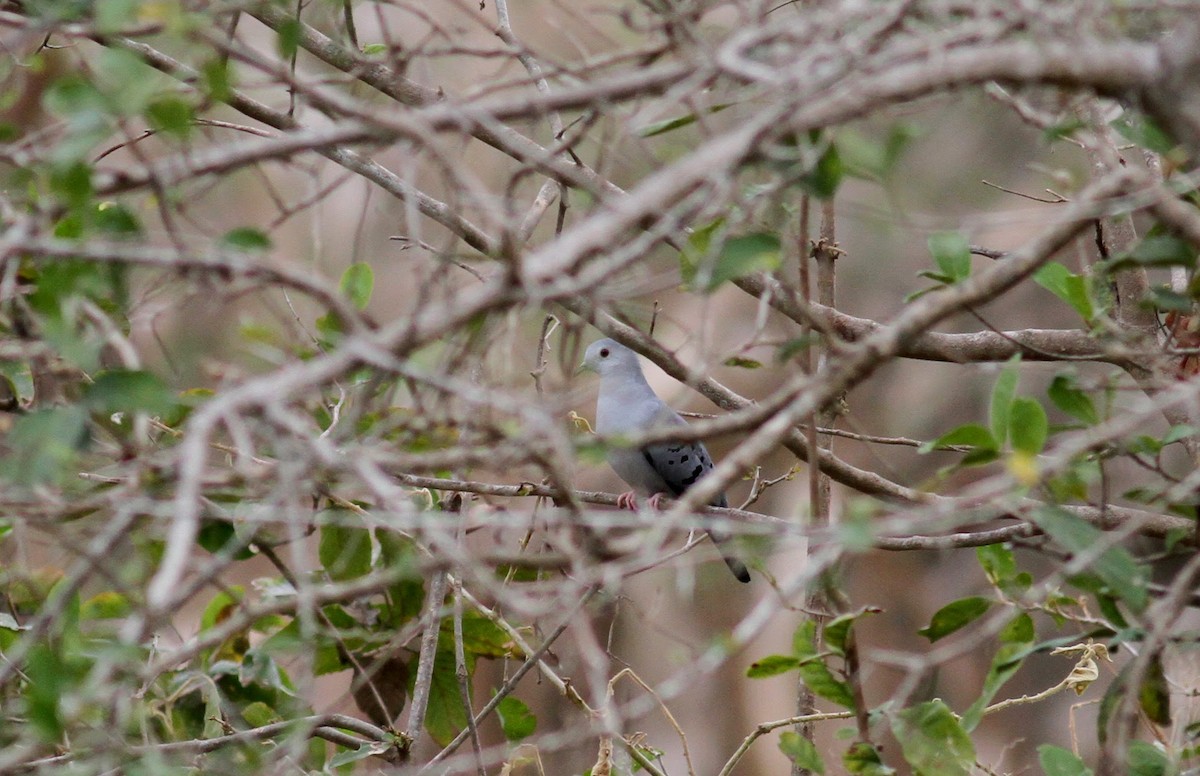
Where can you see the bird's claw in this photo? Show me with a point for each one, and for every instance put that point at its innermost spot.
(654, 501)
(627, 500)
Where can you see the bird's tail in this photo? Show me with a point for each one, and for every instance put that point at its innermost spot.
(735, 564)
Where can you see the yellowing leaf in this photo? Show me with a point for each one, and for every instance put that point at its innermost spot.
(1024, 468)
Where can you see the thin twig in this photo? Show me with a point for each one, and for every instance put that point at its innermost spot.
(431, 618)
(464, 678)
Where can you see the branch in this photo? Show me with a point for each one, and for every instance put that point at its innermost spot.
(319, 725)
(843, 372)
(503, 692)
(408, 92)
(385, 179)
(425, 659)
(975, 347)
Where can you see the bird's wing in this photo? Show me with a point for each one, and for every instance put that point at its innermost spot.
(680, 464)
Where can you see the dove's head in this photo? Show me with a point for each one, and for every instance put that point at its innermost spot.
(608, 357)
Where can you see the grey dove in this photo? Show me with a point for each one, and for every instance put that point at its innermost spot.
(628, 405)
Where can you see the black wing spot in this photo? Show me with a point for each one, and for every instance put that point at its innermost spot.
(684, 459)
(675, 449)
(656, 467)
(695, 475)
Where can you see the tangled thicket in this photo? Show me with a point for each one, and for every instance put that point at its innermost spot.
(297, 473)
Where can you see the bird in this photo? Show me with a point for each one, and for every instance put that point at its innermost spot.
(627, 404)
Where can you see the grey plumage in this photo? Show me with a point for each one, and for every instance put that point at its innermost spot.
(628, 405)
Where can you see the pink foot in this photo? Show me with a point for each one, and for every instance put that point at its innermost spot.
(628, 501)
(653, 502)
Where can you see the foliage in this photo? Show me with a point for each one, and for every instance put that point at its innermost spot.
(291, 300)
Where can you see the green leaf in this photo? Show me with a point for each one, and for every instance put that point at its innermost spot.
(51, 676)
(1108, 606)
(1179, 432)
(43, 445)
(1064, 391)
(1028, 426)
(1157, 250)
(287, 642)
(73, 184)
(649, 753)
(246, 238)
(172, 115)
(221, 606)
(371, 49)
(218, 81)
(221, 536)
(998, 563)
(813, 671)
(405, 598)
(1057, 761)
(1141, 129)
(1164, 299)
(667, 125)
(933, 741)
(113, 15)
(954, 616)
(772, 665)
(357, 283)
(1155, 695)
(795, 346)
(823, 179)
(288, 36)
(1124, 576)
(108, 605)
(258, 714)
(353, 755)
(128, 390)
(801, 752)
(113, 218)
(863, 759)
(867, 158)
(970, 435)
(1146, 759)
(258, 667)
(1067, 286)
(516, 720)
(446, 715)
(744, 363)
(55, 283)
(88, 120)
(1017, 639)
(481, 637)
(1000, 566)
(952, 253)
(699, 246)
(128, 83)
(344, 550)
(1002, 399)
(737, 257)
(1063, 129)
(1116, 692)
(837, 630)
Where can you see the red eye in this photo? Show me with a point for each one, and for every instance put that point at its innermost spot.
(603, 352)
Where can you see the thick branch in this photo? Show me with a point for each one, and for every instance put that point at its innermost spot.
(980, 346)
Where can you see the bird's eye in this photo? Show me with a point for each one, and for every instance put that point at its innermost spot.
(603, 352)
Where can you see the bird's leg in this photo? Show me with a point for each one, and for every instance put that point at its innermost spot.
(627, 500)
(653, 502)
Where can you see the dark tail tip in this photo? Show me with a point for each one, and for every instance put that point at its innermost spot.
(738, 568)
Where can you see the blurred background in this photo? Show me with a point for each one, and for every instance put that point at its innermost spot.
(966, 162)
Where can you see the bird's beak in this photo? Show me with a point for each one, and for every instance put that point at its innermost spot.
(583, 367)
